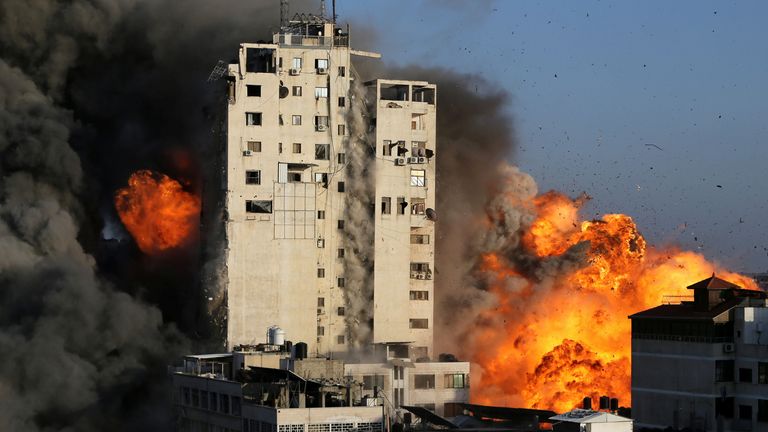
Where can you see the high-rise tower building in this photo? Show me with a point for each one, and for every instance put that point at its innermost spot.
(330, 196)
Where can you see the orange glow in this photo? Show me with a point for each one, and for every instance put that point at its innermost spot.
(157, 212)
(562, 333)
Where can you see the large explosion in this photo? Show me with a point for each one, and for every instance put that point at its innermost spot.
(558, 330)
(157, 211)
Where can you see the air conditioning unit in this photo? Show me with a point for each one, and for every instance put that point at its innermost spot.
(247, 153)
(294, 71)
(428, 276)
(420, 276)
(400, 161)
(321, 128)
(413, 160)
(414, 275)
(422, 160)
(729, 348)
(321, 311)
(322, 71)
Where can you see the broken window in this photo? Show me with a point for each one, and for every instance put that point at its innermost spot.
(342, 71)
(322, 151)
(419, 295)
(320, 331)
(419, 239)
(340, 339)
(322, 178)
(419, 323)
(297, 90)
(394, 92)
(259, 60)
(253, 146)
(296, 63)
(321, 92)
(253, 90)
(417, 121)
(341, 253)
(342, 101)
(321, 272)
(342, 129)
(321, 302)
(252, 119)
(253, 177)
(297, 147)
(340, 224)
(423, 94)
(418, 178)
(252, 206)
(401, 205)
(424, 381)
(341, 158)
(321, 214)
(340, 282)
(387, 148)
(321, 123)
(386, 205)
(418, 205)
(341, 186)
(296, 120)
(340, 311)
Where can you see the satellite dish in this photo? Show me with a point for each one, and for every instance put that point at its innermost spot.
(431, 214)
(284, 92)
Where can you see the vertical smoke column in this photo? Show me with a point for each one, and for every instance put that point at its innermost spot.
(358, 217)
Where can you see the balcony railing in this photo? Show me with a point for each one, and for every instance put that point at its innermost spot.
(302, 40)
(680, 338)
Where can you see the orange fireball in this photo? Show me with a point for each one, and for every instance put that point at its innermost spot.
(157, 211)
(559, 330)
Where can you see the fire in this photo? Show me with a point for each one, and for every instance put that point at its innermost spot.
(560, 332)
(157, 211)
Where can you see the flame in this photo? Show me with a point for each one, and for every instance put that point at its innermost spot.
(552, 339)
(157, 212)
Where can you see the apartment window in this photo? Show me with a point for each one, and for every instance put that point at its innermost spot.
(235, 405)
(418, 205)
(204, 399)
(214, 401)
(387, 148)
(342, 71)
(419, 239)
(745, 375)
(253, 177)
(296, 63)
(418, 323)
(452, 409)
(340, 339)
(341, 186)
(341, 253)
(320, 331)
(401, 205)
(321, 123)
(762, 372)
(419, 295)
(252, 119)
(322, 178)
(419, 267)
(342, 130)
(321, 302)
(321, 272)
(322, 151)
(341, 101)
(294, 177)
(321, 214)
(280, 119)
(762, 410)
(340, 311)
(371, 381)
(253, 206)
(456, 381)
(418, 178)
(340, 282)
(320, 243)
(340, 224)
(321, 92)
(297, 147)
(321, 63)
(297, 90)
(296, 120)
(224, 399)
(424, 381)
(253, 146)
(724, 371)
(253, 90)
(745, 412)
(280, 148)
(417, 121)
(341, 158)
(386, 205)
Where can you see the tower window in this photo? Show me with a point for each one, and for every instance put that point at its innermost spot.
(252, 119)
(253, 90)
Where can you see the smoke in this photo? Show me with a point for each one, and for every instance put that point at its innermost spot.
(91, 91)
(358, 217)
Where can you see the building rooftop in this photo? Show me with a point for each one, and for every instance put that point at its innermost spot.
(582, 416)
(714, 283)
(687, 311)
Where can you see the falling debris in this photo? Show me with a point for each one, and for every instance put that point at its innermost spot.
(654, 145)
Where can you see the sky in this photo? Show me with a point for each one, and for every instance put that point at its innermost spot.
(656, 109)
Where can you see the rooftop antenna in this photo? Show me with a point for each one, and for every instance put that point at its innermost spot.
(322, 8)
(334, 11)
(283, 13)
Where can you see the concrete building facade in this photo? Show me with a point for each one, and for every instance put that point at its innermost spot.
(287, 151)
(702, 364)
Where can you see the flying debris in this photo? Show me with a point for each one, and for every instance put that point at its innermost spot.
(654, 145)
(431, 214)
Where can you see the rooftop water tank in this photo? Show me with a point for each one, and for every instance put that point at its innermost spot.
(275, 336)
